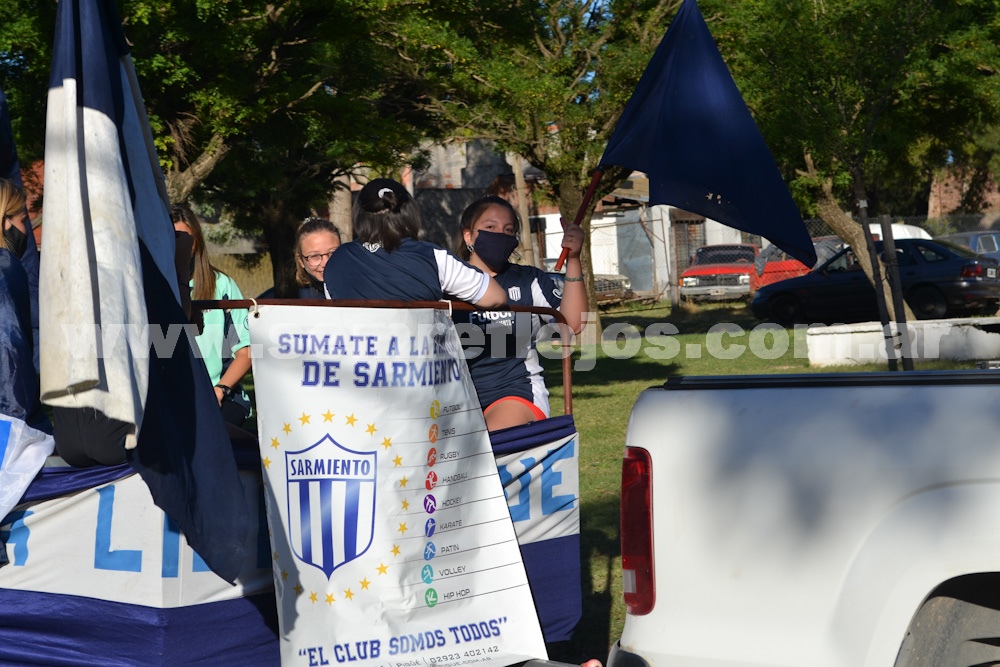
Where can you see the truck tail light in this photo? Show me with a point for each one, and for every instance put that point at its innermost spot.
(637, 532)
(972, 271)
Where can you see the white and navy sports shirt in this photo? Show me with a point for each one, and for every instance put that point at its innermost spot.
(415, 271)
(501, 354)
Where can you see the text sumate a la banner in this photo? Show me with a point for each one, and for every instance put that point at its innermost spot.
(391, 538)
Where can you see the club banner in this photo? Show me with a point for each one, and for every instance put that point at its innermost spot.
(99, 574)
(540, 472)
(391, 537)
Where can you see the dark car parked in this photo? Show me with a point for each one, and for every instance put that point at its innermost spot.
(939, 279)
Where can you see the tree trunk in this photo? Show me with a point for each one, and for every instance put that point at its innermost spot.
(851, 232)
(340, 209)
(530, 257)
(279, 233)
(182, 182)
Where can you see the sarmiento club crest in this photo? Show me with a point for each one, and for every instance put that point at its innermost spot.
(331, 503)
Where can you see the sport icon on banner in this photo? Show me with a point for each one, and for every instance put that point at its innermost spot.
(391, 537)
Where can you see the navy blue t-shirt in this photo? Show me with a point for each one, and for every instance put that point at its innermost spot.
(415, 271)
(500, 347)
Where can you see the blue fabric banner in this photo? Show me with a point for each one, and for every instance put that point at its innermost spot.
(539, 470)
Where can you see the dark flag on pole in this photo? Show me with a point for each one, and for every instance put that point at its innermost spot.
(687, 127)
(10, 168)
(108, 277)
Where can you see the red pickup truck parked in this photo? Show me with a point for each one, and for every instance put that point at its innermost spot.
(720, 273)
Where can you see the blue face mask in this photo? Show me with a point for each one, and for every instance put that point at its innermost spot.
(494, 248)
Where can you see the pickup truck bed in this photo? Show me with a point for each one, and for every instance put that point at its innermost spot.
(820, 520)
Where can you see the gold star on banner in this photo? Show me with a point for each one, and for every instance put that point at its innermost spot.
(348, 594)
(275, 555)
(387, 442)
(382, 569)
(403, 527)
(371, 429)
(284, 575)
(266, 462)
(304, 419)
(328, 416)
(406, 504)
(312, 597)
(351, 419)
(287, 428)
(275, 443)
(398, 461)
(329, 598)
(403, 482)
(395, 549)
(298, 589)
(365, 584)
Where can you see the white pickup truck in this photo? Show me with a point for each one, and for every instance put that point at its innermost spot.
(841, 520)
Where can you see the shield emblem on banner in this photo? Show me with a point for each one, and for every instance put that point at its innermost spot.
(331, 503)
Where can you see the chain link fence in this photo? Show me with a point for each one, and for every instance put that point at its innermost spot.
(642, 250)
(939, 226)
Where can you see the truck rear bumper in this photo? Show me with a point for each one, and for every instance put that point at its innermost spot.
(619, 657)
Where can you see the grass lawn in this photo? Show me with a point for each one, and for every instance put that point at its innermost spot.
(602, 399)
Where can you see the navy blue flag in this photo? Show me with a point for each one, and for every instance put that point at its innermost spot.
(689, 130)
(10, 168)
(112, 325)
(23, 447)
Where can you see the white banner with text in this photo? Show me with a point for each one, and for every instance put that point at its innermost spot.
(391, 537)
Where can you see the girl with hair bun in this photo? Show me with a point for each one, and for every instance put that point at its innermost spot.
(386, 261)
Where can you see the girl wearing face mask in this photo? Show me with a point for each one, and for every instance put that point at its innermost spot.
(15, 232)
(224, 341)
(503, 360)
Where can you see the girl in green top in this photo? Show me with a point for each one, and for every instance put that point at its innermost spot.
(224, 340)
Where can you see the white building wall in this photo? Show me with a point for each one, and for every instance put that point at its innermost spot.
(657, 219)
(716, 232)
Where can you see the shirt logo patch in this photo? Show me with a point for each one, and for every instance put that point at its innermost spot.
(514, 293)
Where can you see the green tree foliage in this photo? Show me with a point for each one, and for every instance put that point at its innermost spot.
(277, 74)
(877, 92)
(294, 89)
(546, 80)
(861, 100)
(25, 55)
